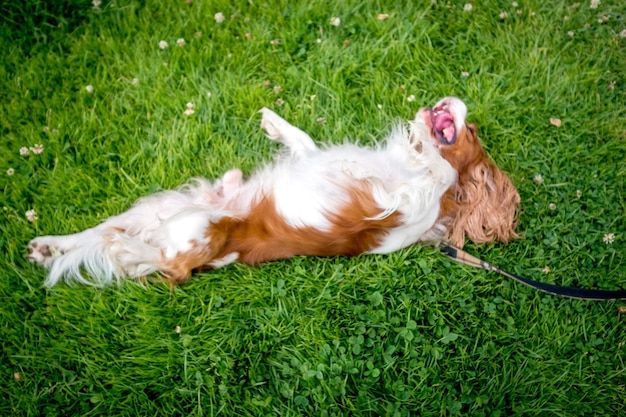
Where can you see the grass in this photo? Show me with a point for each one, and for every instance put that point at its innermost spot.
(404, 334)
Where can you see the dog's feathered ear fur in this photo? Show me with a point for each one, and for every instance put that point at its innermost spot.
(483, 204)
(486, 206)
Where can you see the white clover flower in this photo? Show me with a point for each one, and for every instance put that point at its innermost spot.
(46, 129)
(552, 206)
(410, 98)
(579, 194)
(31, 215)
(503, 15)
(379, 106)
(622, 34)
(382, 16)
(318, 40)
(464, 74)
(163, 44)
(467, 7)
(277, 89)
(321, 120)
(188, 112)
(89, 89)
(570, 33)
(274, 42)
(219, 17)
(135, 81)
(37, 149)
(608, 238)
(335, 21)
(594, 4)
(10, 171)
(178, 329)
(280, 101)
(514, 4)
(189, 105)
(538, 179)
(96, 4)
(180, 42)
(24, 151)
(546, 269)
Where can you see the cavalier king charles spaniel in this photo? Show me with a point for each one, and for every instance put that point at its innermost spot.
(428, 183)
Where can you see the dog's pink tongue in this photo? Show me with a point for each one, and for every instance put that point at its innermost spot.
(444, 122)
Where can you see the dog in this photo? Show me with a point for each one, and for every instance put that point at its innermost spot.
(429, 182)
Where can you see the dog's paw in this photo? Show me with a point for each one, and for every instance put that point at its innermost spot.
(273, 124)
(44, 250)
(420, 142)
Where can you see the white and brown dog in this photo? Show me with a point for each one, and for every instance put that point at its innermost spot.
(431, 182)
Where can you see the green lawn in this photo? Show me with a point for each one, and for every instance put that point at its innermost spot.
(409, 333)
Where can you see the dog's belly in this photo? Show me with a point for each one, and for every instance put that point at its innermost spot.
(407, 235)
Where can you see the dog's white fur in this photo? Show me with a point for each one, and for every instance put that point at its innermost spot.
(406, 176)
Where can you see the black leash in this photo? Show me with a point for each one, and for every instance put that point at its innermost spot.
(463, 257)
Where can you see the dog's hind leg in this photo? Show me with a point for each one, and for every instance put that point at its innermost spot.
(68, 255)
(279, 130)
(130, 244)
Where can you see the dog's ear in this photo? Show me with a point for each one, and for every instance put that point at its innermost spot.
(483, 205)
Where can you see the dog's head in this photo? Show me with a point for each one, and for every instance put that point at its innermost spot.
(483, 204)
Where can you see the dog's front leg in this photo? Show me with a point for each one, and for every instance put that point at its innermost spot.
(279, 130)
